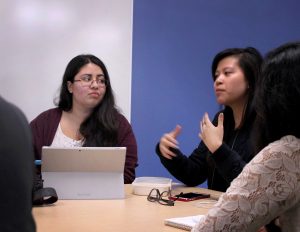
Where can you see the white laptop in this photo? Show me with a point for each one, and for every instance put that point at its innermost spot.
(84, 172)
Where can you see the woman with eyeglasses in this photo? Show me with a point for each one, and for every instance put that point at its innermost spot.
(269, 185)
(86, 114)
(225, 145)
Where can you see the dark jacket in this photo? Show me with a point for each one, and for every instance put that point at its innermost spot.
(44, 127)
(16, 170)
(220, 168)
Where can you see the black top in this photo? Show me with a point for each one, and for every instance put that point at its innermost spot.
(16, 170)
(220, 168)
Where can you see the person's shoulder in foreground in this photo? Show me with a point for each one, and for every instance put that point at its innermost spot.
(267, 190)
(17, 169)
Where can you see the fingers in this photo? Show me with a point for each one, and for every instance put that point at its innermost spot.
(168, 141)
(176, 131)
(202, 126)
(200, 135)
(220, 120)
(211, 135)
(205, 121)
(166, 152)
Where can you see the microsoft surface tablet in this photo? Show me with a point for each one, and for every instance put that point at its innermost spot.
(84, 172)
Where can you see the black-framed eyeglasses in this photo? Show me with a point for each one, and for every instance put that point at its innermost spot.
(161, 198)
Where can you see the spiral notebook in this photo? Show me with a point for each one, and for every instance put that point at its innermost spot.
(184, 223)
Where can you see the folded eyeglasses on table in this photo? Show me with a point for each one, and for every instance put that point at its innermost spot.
(162, 198)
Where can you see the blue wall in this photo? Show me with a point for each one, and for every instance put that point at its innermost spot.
(174, 42)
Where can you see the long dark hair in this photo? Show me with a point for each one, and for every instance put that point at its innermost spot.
(277, 99)
(249, 60)
(100, 128)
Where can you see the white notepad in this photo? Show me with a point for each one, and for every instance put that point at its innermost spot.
(184, 223)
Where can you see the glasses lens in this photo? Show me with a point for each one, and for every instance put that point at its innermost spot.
(85, 84)
(165, 194)
(153, 195)
(101, 82)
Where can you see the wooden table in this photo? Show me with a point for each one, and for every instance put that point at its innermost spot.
(134, 213)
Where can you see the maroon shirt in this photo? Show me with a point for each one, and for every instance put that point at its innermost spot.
(44, 127)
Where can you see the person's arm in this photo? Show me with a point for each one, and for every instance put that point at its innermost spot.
(36, 139)
(127, 139)
(267, 187)
(191, 170)
(43, 129)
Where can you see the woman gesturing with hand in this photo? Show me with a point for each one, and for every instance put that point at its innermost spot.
(211, 135)
(169, 141)
(225, 146)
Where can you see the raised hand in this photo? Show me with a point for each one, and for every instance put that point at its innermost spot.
(168, 141)
(212, 135)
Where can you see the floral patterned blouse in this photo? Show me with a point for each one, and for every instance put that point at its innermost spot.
(268, 187)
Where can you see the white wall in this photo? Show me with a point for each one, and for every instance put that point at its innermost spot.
(39, 38)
